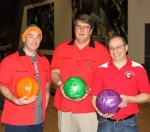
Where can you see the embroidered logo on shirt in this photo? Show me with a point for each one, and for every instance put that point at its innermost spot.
(129, 74)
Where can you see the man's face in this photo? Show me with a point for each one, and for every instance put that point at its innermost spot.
(32, 41)
(118, 49)
(82, 31)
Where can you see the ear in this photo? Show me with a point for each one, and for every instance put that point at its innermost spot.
(91, 31)
(23, 40)
(126, 47)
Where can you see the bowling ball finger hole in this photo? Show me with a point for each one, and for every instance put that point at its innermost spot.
(73, 85)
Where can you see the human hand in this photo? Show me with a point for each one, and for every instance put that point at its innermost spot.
(107, 115)
(124, 101)
(62, 91)
(24, 101)
(88, 90)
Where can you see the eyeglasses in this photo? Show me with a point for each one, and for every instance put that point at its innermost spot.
(82, 27)
(119, 47)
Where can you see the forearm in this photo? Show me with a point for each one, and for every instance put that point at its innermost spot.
(94, 103)
(47, 93)
(141, 98)
(56, 78)
(18, 101)
(8, 94)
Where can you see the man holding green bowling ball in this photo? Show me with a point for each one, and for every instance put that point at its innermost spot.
(77, 57)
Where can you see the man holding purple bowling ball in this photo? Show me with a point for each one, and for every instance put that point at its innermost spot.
(126, 77)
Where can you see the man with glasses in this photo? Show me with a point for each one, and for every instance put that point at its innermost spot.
(78, 57)
(129, 79)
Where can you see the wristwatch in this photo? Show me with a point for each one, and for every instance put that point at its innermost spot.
(59, 83)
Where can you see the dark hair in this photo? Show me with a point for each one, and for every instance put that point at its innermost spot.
(84, 18)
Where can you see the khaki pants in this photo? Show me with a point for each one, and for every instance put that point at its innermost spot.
(70, 122)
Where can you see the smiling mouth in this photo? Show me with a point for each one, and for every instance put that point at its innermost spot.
(81, 34)
(116, 55)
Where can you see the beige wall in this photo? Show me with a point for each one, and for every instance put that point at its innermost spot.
(62, 21)
(138, 15)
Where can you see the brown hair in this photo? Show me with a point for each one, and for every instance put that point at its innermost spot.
(84, 18)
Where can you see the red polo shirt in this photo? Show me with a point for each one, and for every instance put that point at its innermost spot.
(13, 68)
(71, 61)
(130, 80)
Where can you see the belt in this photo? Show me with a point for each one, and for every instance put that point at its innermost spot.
(122, 118)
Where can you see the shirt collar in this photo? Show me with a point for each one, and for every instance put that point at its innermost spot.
(128, 62)
(22, 53)
(91, 44)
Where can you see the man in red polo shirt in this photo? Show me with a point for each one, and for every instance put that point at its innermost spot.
(77, 57)
(19, 114)
(126, 77)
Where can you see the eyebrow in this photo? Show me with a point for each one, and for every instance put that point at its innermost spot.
(30, 34)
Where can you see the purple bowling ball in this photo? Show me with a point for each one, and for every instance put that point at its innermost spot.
(107, 101)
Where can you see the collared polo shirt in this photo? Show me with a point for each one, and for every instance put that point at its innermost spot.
(71, 61)
(14, 67)
(130, 80)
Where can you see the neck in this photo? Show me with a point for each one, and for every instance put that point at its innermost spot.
(29, 53)
(81, 44)
(120, 64)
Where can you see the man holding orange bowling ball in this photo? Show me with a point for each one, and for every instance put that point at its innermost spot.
(22, 114)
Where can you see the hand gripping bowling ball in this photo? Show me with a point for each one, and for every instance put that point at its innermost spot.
(27, 86)
(75, 87)
(107, 101)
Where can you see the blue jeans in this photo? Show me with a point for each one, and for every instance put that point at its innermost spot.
(28, 128)
(128, 125)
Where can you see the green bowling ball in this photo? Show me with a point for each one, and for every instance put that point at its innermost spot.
(75, 87)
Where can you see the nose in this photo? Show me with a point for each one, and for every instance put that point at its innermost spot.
(34, 39)
(82, 28)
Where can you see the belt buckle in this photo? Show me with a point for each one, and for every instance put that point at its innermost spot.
(117, 120)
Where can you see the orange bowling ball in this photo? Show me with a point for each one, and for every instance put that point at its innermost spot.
(27, 86)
